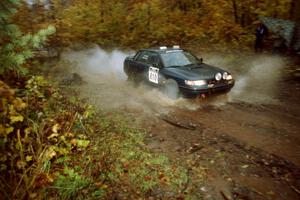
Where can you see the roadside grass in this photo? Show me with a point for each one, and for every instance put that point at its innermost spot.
(116, 164)
(54, 146)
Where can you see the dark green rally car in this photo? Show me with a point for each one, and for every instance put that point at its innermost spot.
(178, 70)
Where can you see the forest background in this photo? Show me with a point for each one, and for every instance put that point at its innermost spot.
(143, 23)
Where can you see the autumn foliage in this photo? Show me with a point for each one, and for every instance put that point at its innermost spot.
(143, 23)
(55, 145)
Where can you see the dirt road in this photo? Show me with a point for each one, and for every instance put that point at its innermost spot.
(245, 145)
(248, 152)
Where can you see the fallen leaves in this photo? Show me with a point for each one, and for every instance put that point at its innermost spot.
(244, 166)
(14, 119)
(19, 104)
(28, 158)
(55, 128)
(53, 135)
(9, 130)
(50, 153)
(82, 143)
(42, 180)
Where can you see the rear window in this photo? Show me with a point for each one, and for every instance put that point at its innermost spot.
(148, 57)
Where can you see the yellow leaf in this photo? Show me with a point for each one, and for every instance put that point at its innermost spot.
(245, 166)
(53, 135)
(86, 114)
(28, 158)
(69, 135)
(28, 130)
(51, 154)
(18, 118)
(82, 143)
(19, 104)
(73, 142)
(55, 128)
(9, 130)
(104, 186)
(2, 130)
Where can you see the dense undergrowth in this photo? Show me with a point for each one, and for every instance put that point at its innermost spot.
(54, 145)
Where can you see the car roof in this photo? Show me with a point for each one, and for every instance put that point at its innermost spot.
(163, 49)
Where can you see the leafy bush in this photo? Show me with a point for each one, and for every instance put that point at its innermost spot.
(32, 135)
(53, 146)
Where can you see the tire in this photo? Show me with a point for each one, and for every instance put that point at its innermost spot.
(171, 89)
(132, 78)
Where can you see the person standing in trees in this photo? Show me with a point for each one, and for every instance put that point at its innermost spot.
(260, 33)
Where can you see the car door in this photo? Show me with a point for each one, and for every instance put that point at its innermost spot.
(140, 65)
(147, 66)
(153, 68)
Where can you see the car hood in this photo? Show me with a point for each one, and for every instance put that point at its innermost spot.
(196, 72)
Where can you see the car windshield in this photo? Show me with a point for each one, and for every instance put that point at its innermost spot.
(178, 58)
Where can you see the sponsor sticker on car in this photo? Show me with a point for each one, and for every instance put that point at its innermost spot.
(153, 74)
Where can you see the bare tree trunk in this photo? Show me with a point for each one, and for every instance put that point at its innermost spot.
(294, 11)
(148, 17)
(235, 11)
(243, 16)
(275, 15)
(101, 11)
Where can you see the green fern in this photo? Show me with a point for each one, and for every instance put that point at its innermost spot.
(70, 184)
(15, 47)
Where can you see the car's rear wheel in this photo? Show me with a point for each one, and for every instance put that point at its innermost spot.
(171, 89)
(132, 78)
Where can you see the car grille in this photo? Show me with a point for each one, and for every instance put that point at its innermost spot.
(215, 81)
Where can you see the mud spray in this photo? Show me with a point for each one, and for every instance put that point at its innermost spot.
(256, 77)
(107, 84)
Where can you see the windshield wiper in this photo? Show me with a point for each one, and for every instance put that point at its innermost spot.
(174, 66)
(198, 65)
(191, 64)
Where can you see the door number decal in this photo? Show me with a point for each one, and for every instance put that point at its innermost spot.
(153, 74)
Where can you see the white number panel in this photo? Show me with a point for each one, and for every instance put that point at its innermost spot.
(153, 74)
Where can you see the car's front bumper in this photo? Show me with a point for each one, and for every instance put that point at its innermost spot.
(216, 88)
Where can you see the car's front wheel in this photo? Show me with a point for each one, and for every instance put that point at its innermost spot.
(171, 89)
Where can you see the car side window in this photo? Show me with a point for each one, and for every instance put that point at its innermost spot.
(154, 60)
(149, 57)
(142, 57)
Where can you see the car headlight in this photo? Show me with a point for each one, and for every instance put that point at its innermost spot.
(218, 76)
(229, 77)
(195, 83)
(225, 74)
